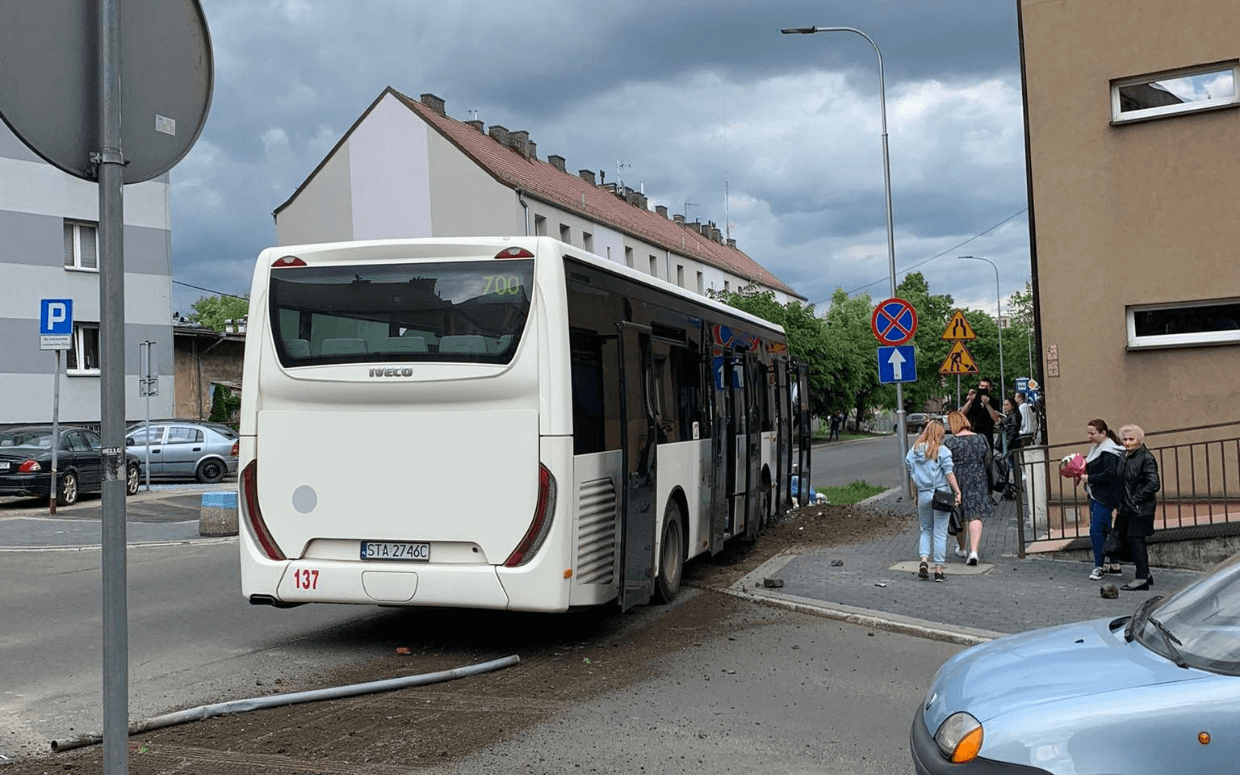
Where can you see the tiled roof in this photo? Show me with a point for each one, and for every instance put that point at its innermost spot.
(542, 180)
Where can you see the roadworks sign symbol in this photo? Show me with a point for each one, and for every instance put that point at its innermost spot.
(959, 361)
(958, 328)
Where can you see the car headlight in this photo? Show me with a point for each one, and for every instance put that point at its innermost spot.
(959, 737)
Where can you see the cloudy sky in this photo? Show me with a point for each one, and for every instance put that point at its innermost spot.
(694, 98)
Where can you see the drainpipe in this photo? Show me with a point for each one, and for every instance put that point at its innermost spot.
(526, 207)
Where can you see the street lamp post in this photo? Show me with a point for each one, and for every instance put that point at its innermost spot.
(901, 428)
(998, 321)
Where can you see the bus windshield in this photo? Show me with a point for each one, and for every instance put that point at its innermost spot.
(457, 311)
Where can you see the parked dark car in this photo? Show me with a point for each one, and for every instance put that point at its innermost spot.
(26, 463)
(915, 421)
(185, 449)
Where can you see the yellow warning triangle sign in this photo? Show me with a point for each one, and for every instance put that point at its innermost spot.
(958, 328)
(959, 361)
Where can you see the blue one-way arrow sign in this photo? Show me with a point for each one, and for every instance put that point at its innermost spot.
(897, 364)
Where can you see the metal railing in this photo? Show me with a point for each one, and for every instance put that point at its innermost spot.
(1199, 471)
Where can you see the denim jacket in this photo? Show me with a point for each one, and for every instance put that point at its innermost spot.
(929, 474)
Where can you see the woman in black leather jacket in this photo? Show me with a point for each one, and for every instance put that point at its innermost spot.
(1138, 470)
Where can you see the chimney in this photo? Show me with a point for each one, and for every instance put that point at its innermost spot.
(643, 202)
(732, 243)
(476, 124)
(499, 134)
(587, 176)
(434, 103)
(557, 162)
(519, 141)
(661, 210)
(532, 149)
(715, 234)
(678, 218)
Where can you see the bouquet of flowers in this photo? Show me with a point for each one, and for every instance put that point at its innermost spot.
(1072, 466)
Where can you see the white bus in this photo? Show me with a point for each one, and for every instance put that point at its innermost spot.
(505, 423)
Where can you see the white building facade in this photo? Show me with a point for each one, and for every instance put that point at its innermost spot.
(49, 250)
(406, 169)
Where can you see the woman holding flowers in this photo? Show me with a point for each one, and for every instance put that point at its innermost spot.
(1104, 488)
(930, 467)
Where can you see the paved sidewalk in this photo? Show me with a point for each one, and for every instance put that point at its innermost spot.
(159, 516)
(876, 584)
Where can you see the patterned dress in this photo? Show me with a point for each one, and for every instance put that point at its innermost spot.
(969, 458)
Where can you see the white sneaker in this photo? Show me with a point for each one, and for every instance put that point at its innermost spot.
(1096, 574)
(960, 552)
(972, 558)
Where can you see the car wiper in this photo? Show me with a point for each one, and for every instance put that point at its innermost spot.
(1138, 618)
(1169, 639)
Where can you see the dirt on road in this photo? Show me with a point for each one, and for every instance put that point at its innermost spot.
(564, 659)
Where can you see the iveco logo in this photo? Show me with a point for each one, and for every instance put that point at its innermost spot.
(391, 371)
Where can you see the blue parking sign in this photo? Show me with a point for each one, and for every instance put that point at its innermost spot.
(56, 316)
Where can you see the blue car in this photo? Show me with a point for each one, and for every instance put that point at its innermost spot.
(1154, 692)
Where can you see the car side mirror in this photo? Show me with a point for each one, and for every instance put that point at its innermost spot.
(128, 441)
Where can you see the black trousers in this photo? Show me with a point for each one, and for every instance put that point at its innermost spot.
(1140, 557)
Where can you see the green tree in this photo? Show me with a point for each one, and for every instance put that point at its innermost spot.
(848, 324)
(224, 405)
(212, 311)
(933, 313)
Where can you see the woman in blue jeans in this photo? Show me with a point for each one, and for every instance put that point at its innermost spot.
(1104, 488)
(930, 467)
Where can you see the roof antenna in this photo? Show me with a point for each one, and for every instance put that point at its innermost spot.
(687, 206)
(473, 115)
(620, 167)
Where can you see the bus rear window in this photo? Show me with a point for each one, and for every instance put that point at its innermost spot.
(459, 311)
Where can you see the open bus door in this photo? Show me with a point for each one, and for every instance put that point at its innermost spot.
(638, 429)
(717, 368)
(805, 433)
(755, 393)
(784, 425)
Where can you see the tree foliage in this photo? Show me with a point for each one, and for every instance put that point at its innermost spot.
(212, 311)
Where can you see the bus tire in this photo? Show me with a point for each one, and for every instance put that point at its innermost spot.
(671, 555)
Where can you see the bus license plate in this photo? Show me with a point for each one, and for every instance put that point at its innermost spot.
(387, 550)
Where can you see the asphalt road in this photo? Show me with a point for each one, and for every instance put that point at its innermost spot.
(875, 460)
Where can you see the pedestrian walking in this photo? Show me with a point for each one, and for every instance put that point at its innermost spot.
(1138, 473)
(931, 470)
(1104, 489)
(836, 419)
(969, 451)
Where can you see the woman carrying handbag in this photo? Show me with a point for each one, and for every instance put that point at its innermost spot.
(931, 470)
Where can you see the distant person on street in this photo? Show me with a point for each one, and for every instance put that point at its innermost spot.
(981, 410)
(835, 427)
(969, 458)
(1009, 441)
(930, 467)
(1138, 473)
(1028, 423)
(1104, 488)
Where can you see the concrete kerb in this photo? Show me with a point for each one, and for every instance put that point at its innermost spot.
(751, 588)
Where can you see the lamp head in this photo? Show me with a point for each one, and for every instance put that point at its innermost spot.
(800, 31)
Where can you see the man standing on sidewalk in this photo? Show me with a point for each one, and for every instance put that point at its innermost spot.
(1028, 425)
(980, 408)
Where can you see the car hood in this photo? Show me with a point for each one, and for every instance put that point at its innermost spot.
(1017, 672)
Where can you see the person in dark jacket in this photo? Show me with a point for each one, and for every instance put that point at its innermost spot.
(1138, 474)
(1104, 488)
(1009, 441)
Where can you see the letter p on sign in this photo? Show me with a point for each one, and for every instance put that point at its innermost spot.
(56, 316)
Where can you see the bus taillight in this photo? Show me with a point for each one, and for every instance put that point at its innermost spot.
(252, 516)
(287, 261)
(514, 253)
(540, 525)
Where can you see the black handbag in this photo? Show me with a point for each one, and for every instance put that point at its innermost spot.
(944, 501)
(1116, 546)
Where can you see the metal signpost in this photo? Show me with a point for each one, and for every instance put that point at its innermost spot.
(148, 385)
(894, 321)
(55, 333)
(65, 62)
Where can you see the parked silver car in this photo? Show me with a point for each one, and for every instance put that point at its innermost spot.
(185, 449)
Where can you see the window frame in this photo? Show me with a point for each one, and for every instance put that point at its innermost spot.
(78, 349)
(1163, 111)
(78, 226)
(1163, 341)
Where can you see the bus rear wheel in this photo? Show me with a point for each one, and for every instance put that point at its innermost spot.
(671, 555)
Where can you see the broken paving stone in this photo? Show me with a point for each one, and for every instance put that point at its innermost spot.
(772, 583)
(1109, 591)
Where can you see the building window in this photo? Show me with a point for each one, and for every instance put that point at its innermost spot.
(1180, 91)
(628, 257)
(83, 353)
(587, 241)
(1184, 324)
(727, 287)
(680, 275)
(540, 226)
(700, 287)
(654, 266)
(565, 236)
(81, 241)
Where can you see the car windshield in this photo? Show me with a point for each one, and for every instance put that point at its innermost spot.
(29, 439)
(458, 311)
(1202, 621)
